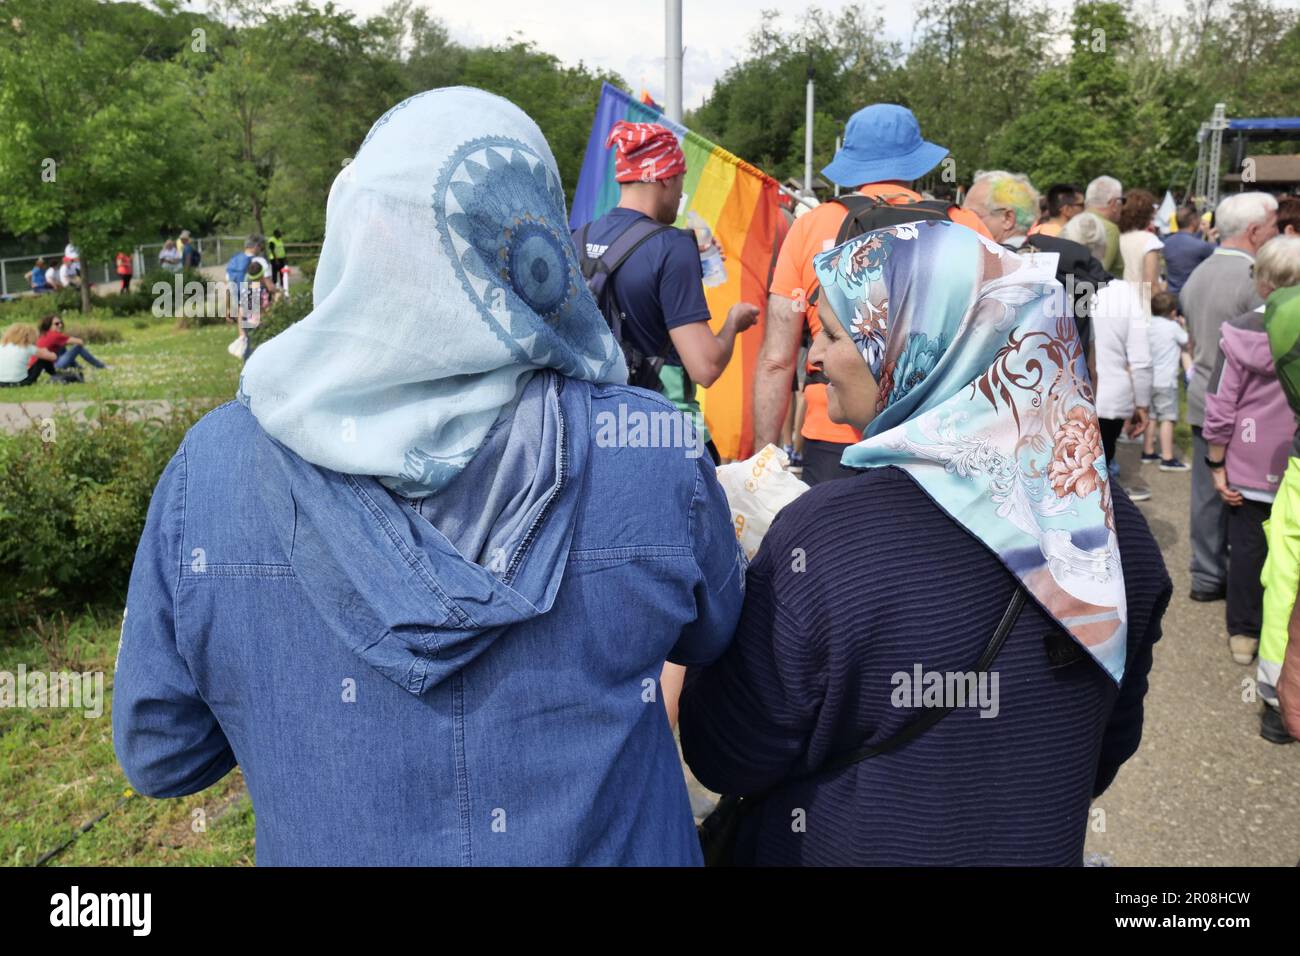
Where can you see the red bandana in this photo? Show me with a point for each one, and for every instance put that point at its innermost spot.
(647, 152)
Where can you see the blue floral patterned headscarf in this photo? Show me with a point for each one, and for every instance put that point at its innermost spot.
(984, 399)
(447, 278)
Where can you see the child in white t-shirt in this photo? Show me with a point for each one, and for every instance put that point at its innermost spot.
(1168, 342)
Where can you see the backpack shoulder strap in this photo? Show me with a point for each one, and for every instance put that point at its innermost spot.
(609, 259)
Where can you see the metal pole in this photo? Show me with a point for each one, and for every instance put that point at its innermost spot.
(1202, 145)
(808, 136)
(1218, 123)
(673, 60)
(839, 144)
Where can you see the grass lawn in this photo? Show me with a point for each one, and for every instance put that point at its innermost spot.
(158, 361)
(58, 772)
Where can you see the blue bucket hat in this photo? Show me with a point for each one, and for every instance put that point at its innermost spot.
(882, 141)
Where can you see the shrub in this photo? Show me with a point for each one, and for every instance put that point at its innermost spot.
(32, 316)
(141, 297)
(281, 315)
(92, 333)
(72, 507)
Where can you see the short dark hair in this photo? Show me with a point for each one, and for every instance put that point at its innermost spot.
(1060, 196)
(1187, 215)
(47, 322)
(1288, 213)
(1164, 303)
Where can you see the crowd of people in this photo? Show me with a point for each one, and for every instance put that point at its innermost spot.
(440, 550)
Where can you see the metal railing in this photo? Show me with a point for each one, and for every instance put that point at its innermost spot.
(14, 268)
(213, 250)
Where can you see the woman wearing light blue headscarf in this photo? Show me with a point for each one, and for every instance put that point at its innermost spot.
(873, 604)
(432, 630)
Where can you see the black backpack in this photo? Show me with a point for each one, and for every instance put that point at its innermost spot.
(870, 212)
(598, 268)
(865, 214)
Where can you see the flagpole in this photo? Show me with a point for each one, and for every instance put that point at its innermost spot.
(808, 135)
(673, 60)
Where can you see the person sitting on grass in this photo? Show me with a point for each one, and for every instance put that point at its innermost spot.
(18, 348)
(68, 348)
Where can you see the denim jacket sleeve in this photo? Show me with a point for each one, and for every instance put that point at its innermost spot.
(746, 721)
(720, 587)
(165, 736)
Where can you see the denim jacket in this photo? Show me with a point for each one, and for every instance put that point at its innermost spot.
(391, 701)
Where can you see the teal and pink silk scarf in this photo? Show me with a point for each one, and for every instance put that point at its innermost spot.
(984, 399)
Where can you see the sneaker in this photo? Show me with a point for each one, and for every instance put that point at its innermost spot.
(1243, 648)
(1147, 459)
(1211, 594)
(1271, 727)
(1138, 493)
(1173, 464)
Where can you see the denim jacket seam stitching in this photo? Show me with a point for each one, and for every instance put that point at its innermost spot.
(180, 565)
(462, 770)
(690, 525)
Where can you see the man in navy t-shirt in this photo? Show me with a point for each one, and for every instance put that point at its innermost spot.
(659, 288)
(1185, 250)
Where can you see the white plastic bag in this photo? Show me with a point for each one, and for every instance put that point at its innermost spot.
(757, 488)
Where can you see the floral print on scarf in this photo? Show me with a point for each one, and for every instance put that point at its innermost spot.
(984, 399)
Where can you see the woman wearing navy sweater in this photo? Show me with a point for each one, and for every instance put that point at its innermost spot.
(873, 599)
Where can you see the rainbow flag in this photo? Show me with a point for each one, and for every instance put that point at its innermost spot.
(741, 204)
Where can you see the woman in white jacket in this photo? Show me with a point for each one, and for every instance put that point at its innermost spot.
(1120, 321)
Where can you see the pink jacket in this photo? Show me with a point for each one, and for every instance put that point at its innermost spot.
(1246, 409)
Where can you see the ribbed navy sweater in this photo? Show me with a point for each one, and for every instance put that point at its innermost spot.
(890, 581)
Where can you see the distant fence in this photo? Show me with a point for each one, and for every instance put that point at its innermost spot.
(14, 268)
(213, 250)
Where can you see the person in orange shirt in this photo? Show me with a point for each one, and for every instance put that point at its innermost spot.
(883, 153)
(1064, 202)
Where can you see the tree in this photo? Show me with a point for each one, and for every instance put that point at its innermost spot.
(94, 125)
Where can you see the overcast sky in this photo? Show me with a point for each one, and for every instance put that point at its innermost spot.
(628, 37)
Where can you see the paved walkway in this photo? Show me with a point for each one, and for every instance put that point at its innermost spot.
(15, 416)
(1204, 789)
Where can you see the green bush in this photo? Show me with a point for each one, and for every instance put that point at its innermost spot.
(141, 297)
(281, 315)
(92, 333)
(74, 499)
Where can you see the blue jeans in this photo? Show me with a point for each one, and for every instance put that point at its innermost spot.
(72, 353)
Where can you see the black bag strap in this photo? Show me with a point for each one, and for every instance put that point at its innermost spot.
(934, 715)
(860, 207)
(718, 831)
(617, 252)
